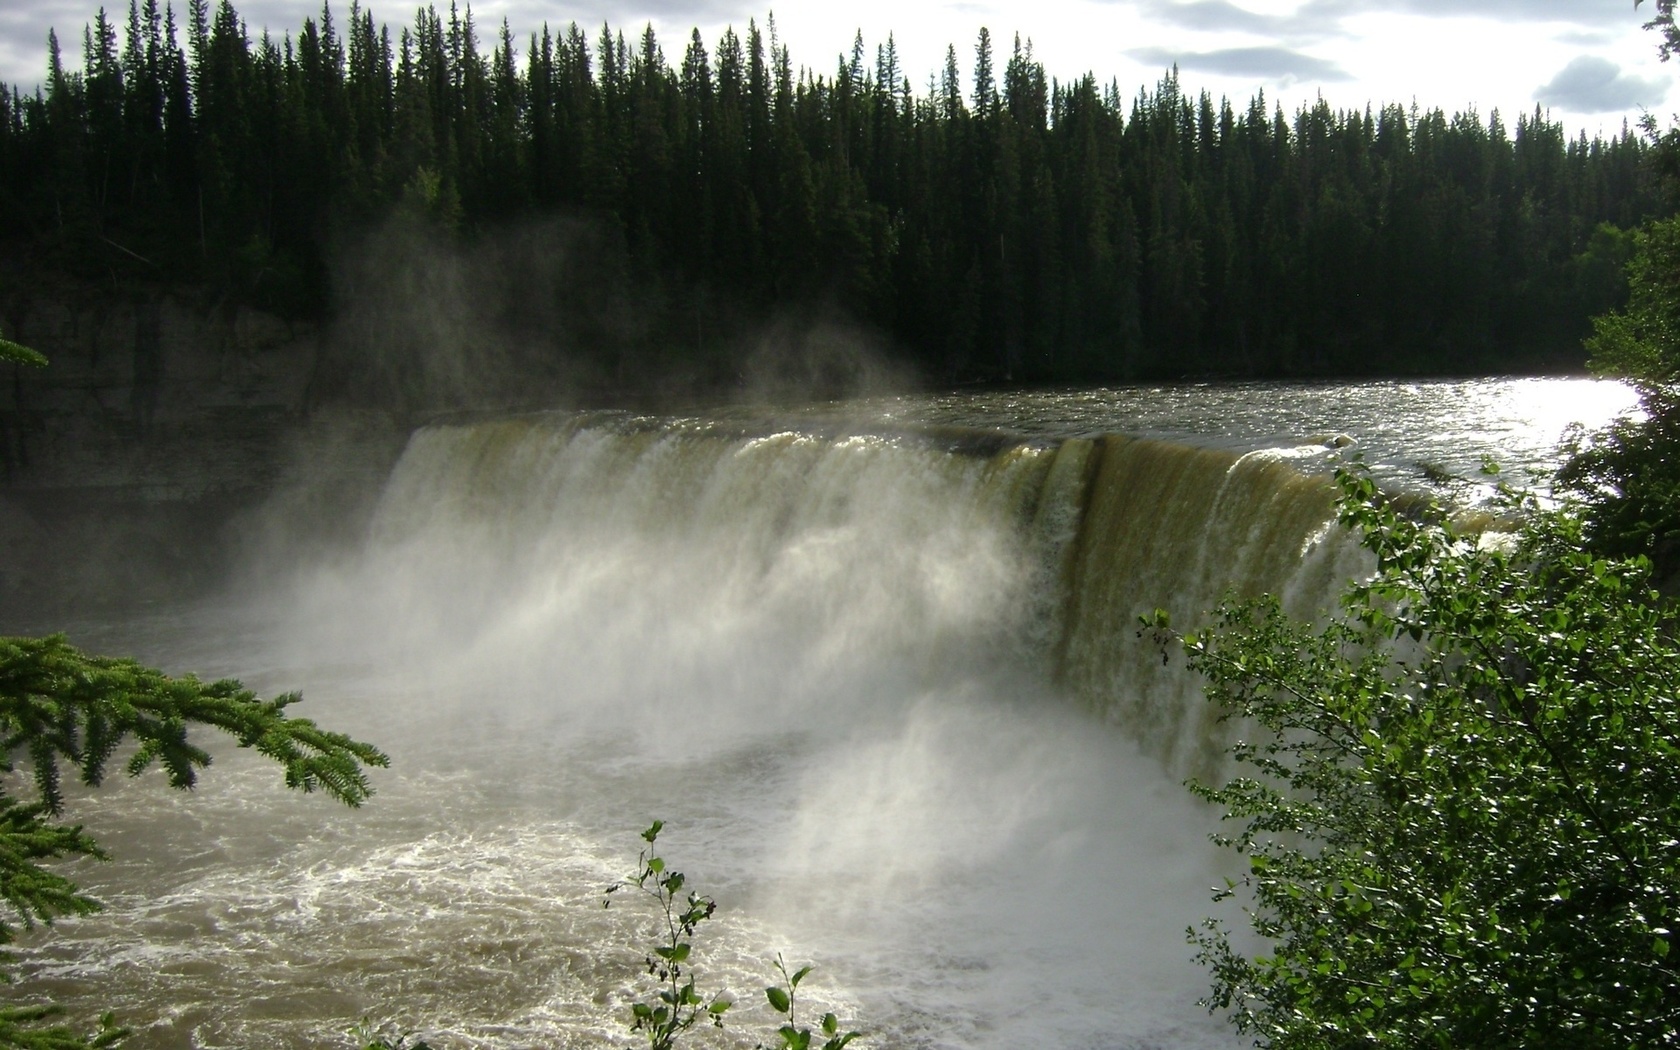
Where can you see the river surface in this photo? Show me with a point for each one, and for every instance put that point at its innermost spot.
(862, 659)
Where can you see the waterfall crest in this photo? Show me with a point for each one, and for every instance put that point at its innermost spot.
(774, 564)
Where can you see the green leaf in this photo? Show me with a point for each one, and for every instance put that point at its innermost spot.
(793, 1038)
(18, 354)
(779, 1000)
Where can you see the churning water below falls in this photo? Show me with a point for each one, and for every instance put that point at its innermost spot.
(875, 664)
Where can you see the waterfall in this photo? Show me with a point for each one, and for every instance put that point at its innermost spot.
(1167, 526)
(796, 571)
(864, 658)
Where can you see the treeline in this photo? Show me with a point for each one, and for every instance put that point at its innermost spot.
(998, 224)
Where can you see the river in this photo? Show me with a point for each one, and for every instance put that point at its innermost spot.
(873, 662)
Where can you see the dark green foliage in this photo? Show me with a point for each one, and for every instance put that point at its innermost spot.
(1459, 800)
(1642, 341)
(1625, 477)
(1008, 225)
(20, 1027)
(1663, 23)
(16, 354)
(1626, 474)
(60, 705)
(61, 709)
(27, 837)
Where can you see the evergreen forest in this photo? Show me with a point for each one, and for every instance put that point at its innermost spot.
(995, 223)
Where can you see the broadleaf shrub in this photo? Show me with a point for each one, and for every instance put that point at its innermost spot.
(1458, 800)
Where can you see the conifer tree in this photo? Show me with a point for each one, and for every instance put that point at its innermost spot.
(1178, 236)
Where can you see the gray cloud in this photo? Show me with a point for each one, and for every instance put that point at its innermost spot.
(1597, 85)
(1319, 19)
(1575, 12)
(1271, 63)
(1315, 20)
(23, 34)
(687, 13)
(1585, 38)
(1214, 15)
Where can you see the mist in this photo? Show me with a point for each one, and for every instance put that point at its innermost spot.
(882, 683)
(822, 660)
(553, 313)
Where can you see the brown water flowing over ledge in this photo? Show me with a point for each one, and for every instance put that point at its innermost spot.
(1072, 541)
(877, 663)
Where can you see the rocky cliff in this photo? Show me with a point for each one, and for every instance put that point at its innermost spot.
(137, 465)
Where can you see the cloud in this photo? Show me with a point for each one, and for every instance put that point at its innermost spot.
(1318, 19)
(1314, 20)
(686, 13)
(1585, 38)
(23, 36)
(1597, 85)
(1575, 12)
(1271, 63)
(1213, 15)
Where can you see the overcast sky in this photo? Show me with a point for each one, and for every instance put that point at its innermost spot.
(1587, 62)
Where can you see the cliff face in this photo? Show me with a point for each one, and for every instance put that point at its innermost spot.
(128, 466)
(152, 396)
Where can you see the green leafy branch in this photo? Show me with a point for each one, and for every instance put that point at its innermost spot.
(677, 1006)
(1459, 799)
(58, 704)
(18, 354)
(63, 710)
(783, 999)
(20, 1027)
